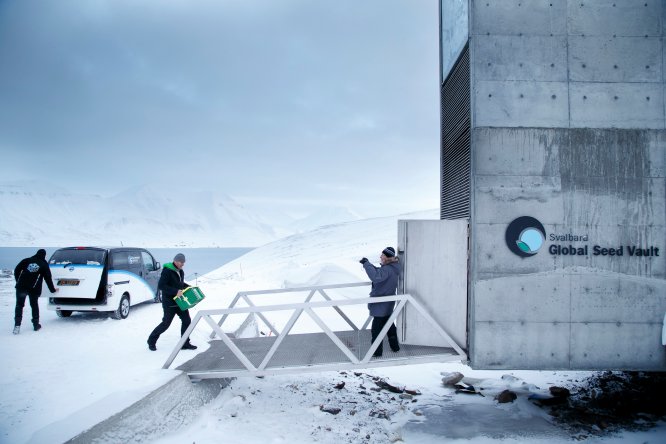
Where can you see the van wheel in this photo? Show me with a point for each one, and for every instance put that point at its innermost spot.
(123, 308)
(158, 296)
(64, 313)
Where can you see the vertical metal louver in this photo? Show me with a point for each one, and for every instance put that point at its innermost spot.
(455, 147)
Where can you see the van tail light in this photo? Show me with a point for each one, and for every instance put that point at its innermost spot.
(109, 290)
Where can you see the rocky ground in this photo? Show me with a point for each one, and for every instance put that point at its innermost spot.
(600, 405)
(610, 401)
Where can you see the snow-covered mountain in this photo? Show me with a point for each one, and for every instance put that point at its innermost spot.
(39, 214)
(323, 217)
(36, 213)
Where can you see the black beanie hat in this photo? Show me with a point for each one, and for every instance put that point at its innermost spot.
(41, 253)
(388, 252)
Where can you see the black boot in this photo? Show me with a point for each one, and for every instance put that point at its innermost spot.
(188, 346)
(393, 342)
(378, 353)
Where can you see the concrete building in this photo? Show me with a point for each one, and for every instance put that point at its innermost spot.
(554, 175)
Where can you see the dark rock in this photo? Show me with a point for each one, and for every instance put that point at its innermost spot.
(467, 389)
(559, 392)
(340, 385)
(506, 396)
(380, 413)
(331, 410)
(386, 386)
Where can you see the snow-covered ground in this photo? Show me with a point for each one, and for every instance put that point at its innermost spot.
(78, 371)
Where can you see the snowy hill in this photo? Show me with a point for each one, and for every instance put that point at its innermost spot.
(39, 214)
(323, 217)
(326, 255)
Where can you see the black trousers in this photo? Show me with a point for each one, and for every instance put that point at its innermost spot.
(169, 313)
(20, 303)
(378, 322)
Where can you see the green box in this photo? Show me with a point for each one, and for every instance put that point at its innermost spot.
(191, 296)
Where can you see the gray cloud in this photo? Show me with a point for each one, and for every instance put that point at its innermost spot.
(257, 98)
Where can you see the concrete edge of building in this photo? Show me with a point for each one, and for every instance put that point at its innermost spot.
(164, 411)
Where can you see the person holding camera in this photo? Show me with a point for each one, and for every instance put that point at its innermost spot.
(384, 283)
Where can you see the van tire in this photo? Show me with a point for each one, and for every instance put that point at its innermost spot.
(64, 313)
(123, 308)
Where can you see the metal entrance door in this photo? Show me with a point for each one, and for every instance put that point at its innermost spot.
(434, 255)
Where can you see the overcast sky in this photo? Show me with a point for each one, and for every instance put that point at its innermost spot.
(297, 103)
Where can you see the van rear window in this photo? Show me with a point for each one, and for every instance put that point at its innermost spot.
(78, 257)
(126, 260)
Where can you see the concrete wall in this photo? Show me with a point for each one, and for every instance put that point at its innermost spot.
(558, 63)
(569, 127)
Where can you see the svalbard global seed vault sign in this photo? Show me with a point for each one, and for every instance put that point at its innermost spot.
(526, 236)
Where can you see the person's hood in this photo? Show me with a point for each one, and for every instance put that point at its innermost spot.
(171, 266)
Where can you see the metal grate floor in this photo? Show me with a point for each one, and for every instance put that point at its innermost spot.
(305, 352)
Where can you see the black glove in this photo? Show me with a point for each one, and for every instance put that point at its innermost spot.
(364, 260)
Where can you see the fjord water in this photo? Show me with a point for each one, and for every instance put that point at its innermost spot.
(199, 261)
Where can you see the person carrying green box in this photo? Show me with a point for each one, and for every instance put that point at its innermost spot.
(171, 284)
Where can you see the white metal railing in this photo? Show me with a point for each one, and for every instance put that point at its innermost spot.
(307, 306)
(245, 296)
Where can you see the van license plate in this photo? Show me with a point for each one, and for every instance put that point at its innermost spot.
(68, 282)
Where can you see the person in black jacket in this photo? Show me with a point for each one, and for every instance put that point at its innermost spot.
(29, 275)
(172, 283)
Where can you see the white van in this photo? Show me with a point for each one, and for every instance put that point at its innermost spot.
(96, 279)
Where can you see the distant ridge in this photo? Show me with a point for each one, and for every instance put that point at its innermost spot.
(34, 213)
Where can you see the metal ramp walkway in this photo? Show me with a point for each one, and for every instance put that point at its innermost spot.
(301, 338)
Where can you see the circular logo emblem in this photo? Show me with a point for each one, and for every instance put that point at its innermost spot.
(524, 236)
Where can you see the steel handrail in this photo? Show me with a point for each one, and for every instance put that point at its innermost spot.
(312, 289)
(300, 307)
